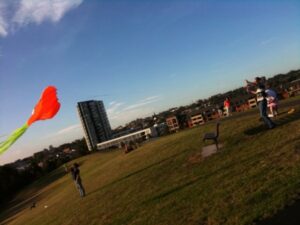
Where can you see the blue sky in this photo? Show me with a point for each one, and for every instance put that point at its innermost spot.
(139, 57)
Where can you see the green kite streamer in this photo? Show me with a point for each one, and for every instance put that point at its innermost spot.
(12, 138)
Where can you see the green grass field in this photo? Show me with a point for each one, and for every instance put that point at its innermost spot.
(254, 175)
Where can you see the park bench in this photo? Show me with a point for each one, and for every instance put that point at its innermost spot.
(213, 136)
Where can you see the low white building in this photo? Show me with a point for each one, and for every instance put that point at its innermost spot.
(136, 136)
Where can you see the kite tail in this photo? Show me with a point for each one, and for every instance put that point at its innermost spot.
(12, 138)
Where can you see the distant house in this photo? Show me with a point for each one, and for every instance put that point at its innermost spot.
(67, 150)
(195, 119)
(172, 123)
(294, 88)
(41, 164)
(22, 164)
(252, 102)
(208, 114)
(240, 104)
(242, 107)
(162, 129)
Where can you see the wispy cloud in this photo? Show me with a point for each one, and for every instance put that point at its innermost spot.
(114, 107)
(65, 131)
(124, 117)
(3, 24)
(151, 98)
(142, 102)
(23, 12)
(120, 113)
(268, 41)
(69, 129)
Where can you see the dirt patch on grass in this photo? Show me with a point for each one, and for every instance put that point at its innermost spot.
(195, 158)
(205, 152)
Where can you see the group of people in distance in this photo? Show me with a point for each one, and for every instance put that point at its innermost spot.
(265, 97)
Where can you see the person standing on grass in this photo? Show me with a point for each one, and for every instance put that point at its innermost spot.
(220, 110)
(227, 106)
(272, 99)
(261, 99)
(75, 172)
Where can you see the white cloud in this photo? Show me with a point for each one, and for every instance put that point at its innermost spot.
(24, 12)
(37, 11)
(124, 117)
(120, 113)
(142, 102)
(151, 98)
(68, 129)
(3, 24)
(65, 131)
(114, 107)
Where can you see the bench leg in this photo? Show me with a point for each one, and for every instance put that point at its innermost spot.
(217, 144)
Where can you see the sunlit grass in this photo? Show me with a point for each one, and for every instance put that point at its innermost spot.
(254, 175)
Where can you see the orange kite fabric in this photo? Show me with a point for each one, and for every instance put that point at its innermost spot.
(47, 107)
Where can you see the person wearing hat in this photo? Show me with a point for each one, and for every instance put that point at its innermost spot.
(261, 100)
(75, 172)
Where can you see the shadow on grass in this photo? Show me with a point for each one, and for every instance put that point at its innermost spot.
(139, 171)
(290, 215)
(226, 167)
(255, 130)
(287, 118)
(20, 204)
(204, 177)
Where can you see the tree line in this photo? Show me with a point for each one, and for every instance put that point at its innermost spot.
(13, 179)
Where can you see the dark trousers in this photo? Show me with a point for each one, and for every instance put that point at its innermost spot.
(262, 105)
(80, 187)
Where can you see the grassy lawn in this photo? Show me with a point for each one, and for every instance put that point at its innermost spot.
(254, 175)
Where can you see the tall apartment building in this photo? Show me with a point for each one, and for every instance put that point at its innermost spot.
(94, 122)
